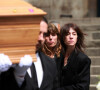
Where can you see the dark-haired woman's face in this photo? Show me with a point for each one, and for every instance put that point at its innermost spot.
(71, 38)
(51, 40)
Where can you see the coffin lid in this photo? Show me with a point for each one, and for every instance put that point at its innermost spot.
(18, 8)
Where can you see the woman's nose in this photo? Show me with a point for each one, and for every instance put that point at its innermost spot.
(71, 36)
(50, 36)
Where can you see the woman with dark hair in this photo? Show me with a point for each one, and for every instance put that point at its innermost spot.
(52, 45)
(75, 66)
(52, 48)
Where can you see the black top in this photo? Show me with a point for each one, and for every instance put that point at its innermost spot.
(76, 74)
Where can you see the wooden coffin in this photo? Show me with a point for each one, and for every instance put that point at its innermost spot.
(19, 28)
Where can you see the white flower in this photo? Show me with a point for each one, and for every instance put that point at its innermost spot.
(98, 86)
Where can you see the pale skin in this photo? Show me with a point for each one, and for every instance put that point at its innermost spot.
(70, 41)
(51, 40)
(43, 30)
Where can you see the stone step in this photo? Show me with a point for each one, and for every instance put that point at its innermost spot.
(95, 70)
(93, 51)
(85, 23)
(79, 20)
(95, 60)
(93, 87)
(92, 43)
(92, 35)
(94, 79)
(90, 27)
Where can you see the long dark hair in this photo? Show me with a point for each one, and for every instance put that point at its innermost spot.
(80, 40)
(56, 50)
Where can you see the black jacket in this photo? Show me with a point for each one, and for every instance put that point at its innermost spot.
(76, 74)
(8, 82)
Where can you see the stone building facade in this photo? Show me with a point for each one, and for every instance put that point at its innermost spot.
(68, 8)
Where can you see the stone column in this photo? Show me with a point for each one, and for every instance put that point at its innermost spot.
(79, 8)
(92, 8)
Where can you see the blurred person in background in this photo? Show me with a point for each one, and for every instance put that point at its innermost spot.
(57, 24)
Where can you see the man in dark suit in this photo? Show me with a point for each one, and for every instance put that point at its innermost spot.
(40, 75)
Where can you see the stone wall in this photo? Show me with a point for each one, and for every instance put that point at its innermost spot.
(56, 8)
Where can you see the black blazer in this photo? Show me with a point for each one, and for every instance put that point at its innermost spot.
(76, 74)
(7, 80)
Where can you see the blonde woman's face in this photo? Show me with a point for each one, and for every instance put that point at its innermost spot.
(71, 38)
(51, 40)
